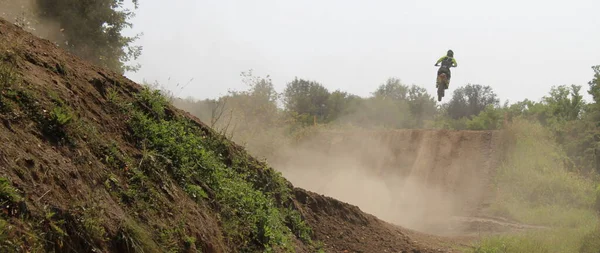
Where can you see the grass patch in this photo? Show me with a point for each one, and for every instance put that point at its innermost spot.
(3, 231)
(133, 238)
(8, 75)
(15, 238)
(8, 194)
(298, 226)
(534, 188)
(8, 78)
(248, 213)
(543, 241)
(53, 123)
(93, 224)
(249, 201)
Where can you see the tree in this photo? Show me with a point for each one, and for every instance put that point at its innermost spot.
(392, 89)
(562, 107)
(91, 29)
(470, 100)
(594, 84)
(421, 104)
(306, 99)
(258, 104)
(341, 103)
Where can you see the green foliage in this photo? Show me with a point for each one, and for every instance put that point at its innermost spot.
(196, 192)
(152, 101)
(8, 78)
(247, 205)
(134, 238)
(594, 85)
(563, 112)
(422, 105)
(561, 106)
(55, 122)
(393, 89)
(60, 116)
(382, 112)
(341, 103)
(189, 241)
(256, 106)
(541, 241)
(92, 30)
(3, 233)
(55, 232)
(470, 100)
(92, 222)
(489, 119)
(8, 194)
(394, 105)
(306, 98)
(535, 188)
(535, 171)
(170, 238)
(507, 244)
(298, 226)
(8, 74)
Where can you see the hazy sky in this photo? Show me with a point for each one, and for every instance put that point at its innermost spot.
(520, 48)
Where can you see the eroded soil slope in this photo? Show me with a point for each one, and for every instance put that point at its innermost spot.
(90, 160)
(420, 179)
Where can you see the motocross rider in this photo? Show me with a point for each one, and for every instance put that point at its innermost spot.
(447, 62)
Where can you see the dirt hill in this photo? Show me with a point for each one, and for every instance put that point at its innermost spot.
(93, 162)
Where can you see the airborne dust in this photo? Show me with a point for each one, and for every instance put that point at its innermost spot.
(418, 179)
(24, 13)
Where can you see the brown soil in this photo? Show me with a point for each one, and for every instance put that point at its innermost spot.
(74, 176)
(345, 228)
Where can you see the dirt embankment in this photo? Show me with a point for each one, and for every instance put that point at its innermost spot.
(80, 186)
(425, 180)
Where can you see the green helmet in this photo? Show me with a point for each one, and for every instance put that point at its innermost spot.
(450, 53)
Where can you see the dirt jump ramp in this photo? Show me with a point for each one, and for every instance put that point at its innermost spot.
(419, 179)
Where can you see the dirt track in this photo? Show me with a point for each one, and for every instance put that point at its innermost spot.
(425, 180)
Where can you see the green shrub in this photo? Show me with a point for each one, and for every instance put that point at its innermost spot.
(8, 194)
(247, 204)
(535, 188)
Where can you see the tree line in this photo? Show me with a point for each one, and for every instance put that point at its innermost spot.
(303, 103)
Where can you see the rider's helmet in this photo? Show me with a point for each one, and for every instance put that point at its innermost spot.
(450, 53)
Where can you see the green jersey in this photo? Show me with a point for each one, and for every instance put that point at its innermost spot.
(447, 61)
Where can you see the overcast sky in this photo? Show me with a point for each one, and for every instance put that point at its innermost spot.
(520, 48)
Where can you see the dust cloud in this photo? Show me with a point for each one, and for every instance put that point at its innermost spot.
(417, 179)
(25, 14)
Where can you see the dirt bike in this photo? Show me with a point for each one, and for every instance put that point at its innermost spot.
(442, 84)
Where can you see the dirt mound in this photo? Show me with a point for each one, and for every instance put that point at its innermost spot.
(419, 179)
(90, 161)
